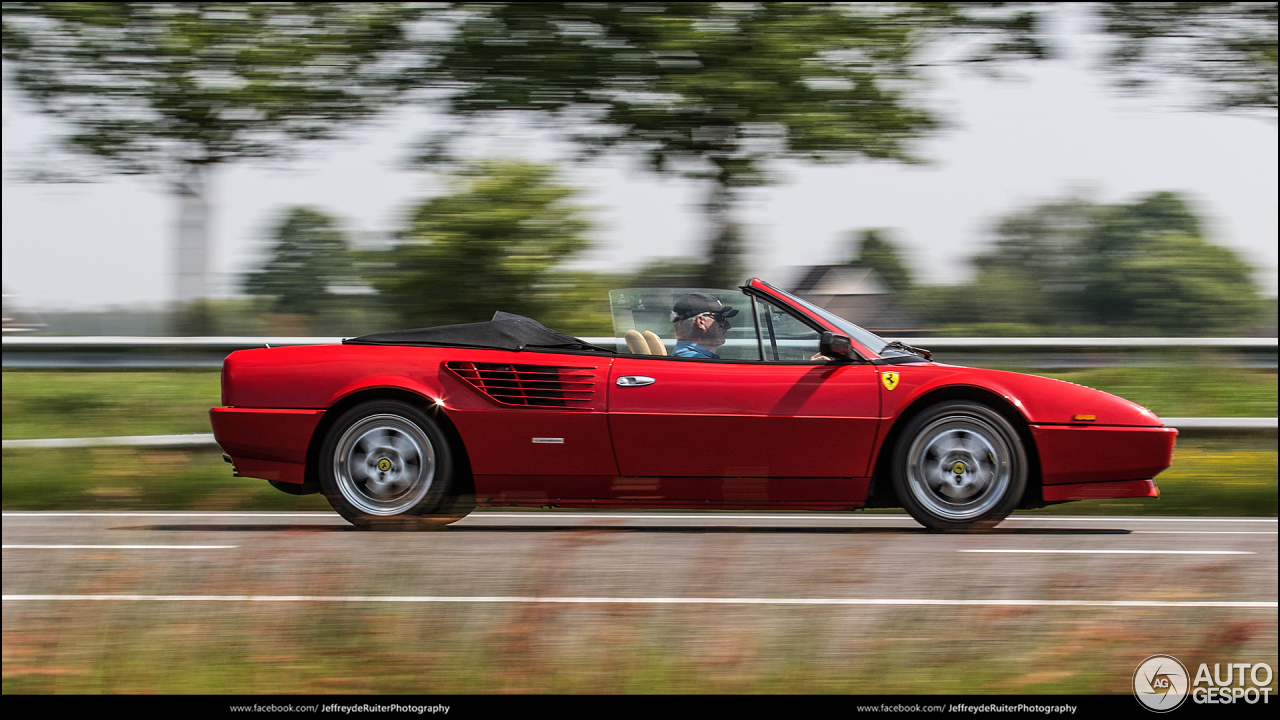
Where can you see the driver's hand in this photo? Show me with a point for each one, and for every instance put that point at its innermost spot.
(819, 357)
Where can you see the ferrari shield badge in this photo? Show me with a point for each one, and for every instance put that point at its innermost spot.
(890, 380)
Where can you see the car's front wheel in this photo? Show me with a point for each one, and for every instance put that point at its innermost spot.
(386, 465)
(959, 466)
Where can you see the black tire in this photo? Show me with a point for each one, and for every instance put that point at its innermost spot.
(386, 465)
(959, 466)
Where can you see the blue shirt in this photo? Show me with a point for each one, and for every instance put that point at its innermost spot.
(684, 348)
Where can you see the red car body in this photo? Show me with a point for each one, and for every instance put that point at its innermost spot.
(703, 434)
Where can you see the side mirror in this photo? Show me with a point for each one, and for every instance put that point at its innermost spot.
(834, 345)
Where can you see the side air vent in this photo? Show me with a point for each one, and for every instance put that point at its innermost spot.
(530, 385)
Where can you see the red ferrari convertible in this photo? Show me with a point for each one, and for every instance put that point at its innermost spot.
(710, 399)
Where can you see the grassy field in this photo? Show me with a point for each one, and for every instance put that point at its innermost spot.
(95, 404)
(1208, 477)
(267, 648)
(98, 404)
(1235, 476)
(1184, 392)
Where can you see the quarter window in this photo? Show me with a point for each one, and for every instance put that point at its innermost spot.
(783, 337)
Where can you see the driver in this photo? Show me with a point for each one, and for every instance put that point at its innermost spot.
(701, 322)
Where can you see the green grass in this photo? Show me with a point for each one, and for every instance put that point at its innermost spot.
(126, 478)
(95, 404)
(1184, 392)
(301, 648)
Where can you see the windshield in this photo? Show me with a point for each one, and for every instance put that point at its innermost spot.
(868, 339)
(644, 322)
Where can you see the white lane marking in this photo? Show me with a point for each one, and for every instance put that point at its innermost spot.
(119, 547)
(1203, 532)
(314, 515)
(1122, 552)
(640, 600)
(851, 516)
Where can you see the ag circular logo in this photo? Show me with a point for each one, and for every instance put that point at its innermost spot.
(1160, 683)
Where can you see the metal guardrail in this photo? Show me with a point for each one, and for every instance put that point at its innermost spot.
(207, 353)
(243, 342)
(1194, 425)
(193, 439)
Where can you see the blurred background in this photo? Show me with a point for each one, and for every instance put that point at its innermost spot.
(1026, 169)
(927, 170)
(994, 171)
(1013, 170)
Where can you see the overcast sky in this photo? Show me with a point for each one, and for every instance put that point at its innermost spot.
(1058, 130)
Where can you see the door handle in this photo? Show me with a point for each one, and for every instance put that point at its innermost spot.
(635, 381)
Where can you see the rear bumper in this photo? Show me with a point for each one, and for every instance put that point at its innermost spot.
(266, 443)
(1072, 455)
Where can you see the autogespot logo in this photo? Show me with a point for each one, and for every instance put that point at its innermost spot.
(1160, 683)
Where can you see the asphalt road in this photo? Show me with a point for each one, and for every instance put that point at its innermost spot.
(606, 602)
(648, 558)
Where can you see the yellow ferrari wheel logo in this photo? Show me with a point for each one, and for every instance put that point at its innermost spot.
(958, 468)
(384, 464)
(890, 380)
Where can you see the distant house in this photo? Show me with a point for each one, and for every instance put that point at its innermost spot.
(857, 294)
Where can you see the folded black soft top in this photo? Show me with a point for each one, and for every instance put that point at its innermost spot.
(505, 331)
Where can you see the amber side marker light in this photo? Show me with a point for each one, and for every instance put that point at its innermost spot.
(1083, 418)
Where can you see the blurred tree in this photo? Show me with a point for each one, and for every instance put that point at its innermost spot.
(1228, 49)
(1184, 285)
(492, 244)
(1000, 302)
(1074, 266)
(174, 90)
(714, 91)
(670, 273)
(874, 249)
(308, 257)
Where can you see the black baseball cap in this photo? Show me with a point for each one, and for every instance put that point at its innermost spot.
(698, 303)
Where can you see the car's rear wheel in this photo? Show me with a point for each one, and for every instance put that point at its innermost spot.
(959, 466)
(386, 465)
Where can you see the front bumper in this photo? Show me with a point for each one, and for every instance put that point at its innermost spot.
(1077, 455)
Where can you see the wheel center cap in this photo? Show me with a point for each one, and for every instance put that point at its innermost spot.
(958, 468)
(384, 464)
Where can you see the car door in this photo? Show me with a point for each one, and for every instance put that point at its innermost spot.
(783, 416)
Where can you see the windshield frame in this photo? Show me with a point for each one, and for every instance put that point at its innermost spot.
(866, 342)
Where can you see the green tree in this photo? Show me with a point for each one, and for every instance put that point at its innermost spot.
(493, 243)
(1074, 266)
(713, 91)
(1228, 49)
(1000, 302)
(308, 257)
(1185, 285)
(174, 90)
(874, 249)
